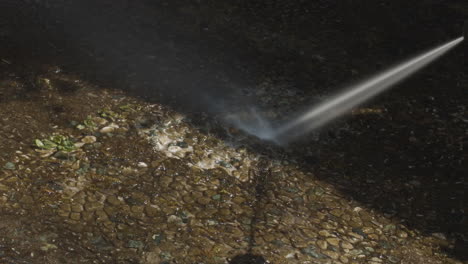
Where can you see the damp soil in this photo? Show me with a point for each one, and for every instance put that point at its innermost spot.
(385, 185)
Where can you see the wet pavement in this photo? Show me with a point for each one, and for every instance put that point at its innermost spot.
(91, 175)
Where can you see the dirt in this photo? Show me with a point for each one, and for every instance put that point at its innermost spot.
(401, 158)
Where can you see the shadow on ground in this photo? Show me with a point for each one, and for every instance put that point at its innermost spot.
(248, 259)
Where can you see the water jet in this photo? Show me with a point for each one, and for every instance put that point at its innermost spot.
(350, 97)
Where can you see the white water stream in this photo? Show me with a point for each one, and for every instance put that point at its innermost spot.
(351, 97)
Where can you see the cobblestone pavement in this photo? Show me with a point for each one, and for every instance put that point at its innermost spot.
(92, 176)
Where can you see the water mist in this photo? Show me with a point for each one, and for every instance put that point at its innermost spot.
(347, 99)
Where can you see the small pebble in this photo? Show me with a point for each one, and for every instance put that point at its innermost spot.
(322, 244)
(331, 254)
(88, 139)
(75, 216)
(333, 241)
(346, 245)
(344, 259)
(9, 166)
(324, 233)
(142, 165)
(402, 234)
(109, 129)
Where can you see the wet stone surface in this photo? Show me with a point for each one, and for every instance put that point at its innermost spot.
(128, 192)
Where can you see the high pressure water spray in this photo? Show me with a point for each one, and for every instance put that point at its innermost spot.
(349, 98)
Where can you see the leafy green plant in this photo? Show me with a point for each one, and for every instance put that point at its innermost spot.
(109, 114)
(130, 107)
(88, 123)
(57, 142)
